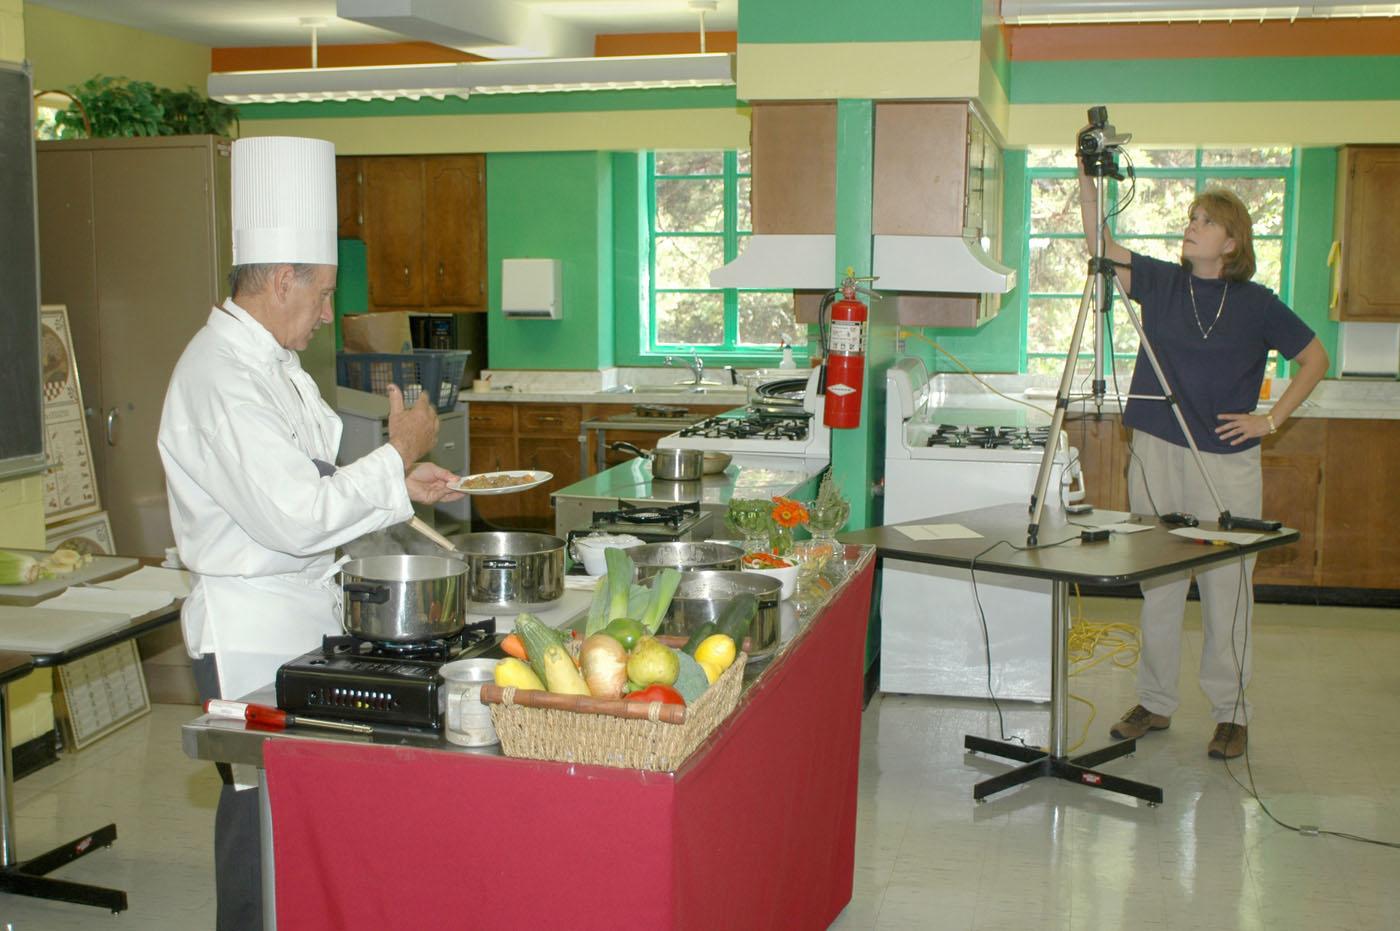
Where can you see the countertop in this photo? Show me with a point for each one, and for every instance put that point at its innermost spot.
(723, 396)
(747, 476)
(227, 741)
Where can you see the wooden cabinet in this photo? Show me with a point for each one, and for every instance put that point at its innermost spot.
(423, 220)
(793, 152)
(1291, 461)
(524, 436)
(349, 179)
(1368, 227)
(1361, 509)
(1102, 443)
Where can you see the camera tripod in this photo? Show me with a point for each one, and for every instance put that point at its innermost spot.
(1098, 148)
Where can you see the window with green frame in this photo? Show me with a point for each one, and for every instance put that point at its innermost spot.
(699, 219)
(1151, 224)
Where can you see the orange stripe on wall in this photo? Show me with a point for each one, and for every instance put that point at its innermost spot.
(663, 43)
(1370, 36)
(333, 56)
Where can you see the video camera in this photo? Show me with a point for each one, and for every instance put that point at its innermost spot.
(1099, 135)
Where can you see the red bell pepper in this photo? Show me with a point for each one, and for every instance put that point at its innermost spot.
(662, 693)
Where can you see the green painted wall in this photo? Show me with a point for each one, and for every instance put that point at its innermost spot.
(1168, 80)
(556, 205)
(1312, 236)
(351, 284)
(796, 21)
(629, 242)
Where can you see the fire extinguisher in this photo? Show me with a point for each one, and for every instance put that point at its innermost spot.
(845, 358)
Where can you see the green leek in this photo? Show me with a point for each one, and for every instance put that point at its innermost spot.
(663, 589)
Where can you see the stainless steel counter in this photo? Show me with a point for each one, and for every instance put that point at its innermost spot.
(224, 741)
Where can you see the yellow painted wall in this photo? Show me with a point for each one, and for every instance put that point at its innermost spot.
(11, 30)
(67, 49)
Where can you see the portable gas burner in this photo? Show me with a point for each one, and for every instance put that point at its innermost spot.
(376, 682)
(653, 523)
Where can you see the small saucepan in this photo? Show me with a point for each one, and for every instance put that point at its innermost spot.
(679, 465)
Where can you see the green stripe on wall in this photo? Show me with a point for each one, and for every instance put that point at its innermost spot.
(1373, 77)
(678, 98)
(846, 21)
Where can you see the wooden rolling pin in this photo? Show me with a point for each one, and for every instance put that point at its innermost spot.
(492, 694)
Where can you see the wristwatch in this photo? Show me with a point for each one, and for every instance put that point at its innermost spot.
(1270, 418)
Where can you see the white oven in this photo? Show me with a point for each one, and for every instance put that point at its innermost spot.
(940, 460)
(767, 431)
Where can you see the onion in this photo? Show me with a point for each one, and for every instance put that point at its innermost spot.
(604, 664)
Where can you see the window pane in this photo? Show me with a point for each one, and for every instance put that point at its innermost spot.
(1125, 338)
(745, 165)
(1168, 250)
(766, 318)
(689, 163)
(686, 261)
(1268, 263)
(1281, 156)
(690, 319)
(744, 219)
(1159, 206)
(1055, 206)
(1037, 157)
(1058, 266)
(1262, 196)
(1161, 158)
(1050, 325)
(690, 206)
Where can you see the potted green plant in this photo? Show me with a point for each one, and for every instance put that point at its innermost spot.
(121, 107)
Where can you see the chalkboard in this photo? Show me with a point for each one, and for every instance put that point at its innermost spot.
(21, 401)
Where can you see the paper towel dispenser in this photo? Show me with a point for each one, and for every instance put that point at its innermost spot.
(530, 289)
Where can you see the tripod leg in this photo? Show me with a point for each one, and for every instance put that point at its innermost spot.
(1052, 443)
(1169, 397)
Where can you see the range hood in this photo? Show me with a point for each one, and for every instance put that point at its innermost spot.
(903, 264)
(947, 264)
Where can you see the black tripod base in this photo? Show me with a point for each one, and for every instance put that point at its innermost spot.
(30, 877)
(1038, 763)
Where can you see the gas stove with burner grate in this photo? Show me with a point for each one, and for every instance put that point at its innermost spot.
(375, 682)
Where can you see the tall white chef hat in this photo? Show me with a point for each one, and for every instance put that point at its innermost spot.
(283, 201)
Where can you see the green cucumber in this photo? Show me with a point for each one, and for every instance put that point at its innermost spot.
(736, 617)
(701, 632)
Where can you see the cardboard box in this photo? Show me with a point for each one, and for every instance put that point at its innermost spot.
(376, 332)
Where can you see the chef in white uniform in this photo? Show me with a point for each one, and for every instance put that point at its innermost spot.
(247, 442)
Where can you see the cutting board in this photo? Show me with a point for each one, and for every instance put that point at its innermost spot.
(45, 630)
(101, 567)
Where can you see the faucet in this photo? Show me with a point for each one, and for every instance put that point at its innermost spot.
(697, 368)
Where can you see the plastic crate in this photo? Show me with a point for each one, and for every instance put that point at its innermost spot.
(437, 370)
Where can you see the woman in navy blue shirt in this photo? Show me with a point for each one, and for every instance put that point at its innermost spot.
(1212, 329)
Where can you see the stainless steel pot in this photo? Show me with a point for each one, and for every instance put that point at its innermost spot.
(651, 558)
(701, 596)
(513, 570)
(403, 599)
(670, 464)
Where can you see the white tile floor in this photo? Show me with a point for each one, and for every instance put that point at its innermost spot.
(1325, 744)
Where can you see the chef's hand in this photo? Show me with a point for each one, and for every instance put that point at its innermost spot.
(429, 484)
(413, 432)
(1240, 427)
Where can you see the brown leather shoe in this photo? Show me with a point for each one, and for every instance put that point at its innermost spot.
(1229, 741)
(1137, 722)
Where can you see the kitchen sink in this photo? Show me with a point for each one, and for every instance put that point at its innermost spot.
(705, 388)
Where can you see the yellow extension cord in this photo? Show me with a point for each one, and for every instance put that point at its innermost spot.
(1086, 637)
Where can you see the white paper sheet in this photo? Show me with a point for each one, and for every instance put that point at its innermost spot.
(1222, 536)
(149, 578)
(938, 532)
(131, 602)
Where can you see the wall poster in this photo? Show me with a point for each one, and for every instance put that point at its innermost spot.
(70, 484)
(93, 534)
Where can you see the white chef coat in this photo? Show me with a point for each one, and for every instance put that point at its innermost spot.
(254, 519)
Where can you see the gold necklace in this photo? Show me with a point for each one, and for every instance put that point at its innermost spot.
(1191, 287)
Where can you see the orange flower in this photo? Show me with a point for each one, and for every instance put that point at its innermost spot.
(788, 513)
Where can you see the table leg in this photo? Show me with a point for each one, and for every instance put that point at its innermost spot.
(29, 877)
(1054, 763)
(269, 865)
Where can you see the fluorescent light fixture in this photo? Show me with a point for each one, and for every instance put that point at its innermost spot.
(1122, 11)
(462, 79)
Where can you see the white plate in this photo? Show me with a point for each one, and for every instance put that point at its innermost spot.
(539, 477)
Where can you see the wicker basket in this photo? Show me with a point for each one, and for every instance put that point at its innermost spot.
(629, 743)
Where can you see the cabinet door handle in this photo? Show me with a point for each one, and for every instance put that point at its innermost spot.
(447, 446)
(405, 274)
(546, 419)
(112, 418)
(441, 270)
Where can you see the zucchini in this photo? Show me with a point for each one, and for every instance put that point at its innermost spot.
(538, 637)
(563, 677)
(701, 632)
(735, 619)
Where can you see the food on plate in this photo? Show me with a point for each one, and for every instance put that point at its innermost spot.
(496, 480)
(653, 662)
(765, 561)
(511, 671)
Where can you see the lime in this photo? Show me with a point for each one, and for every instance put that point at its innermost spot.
(625, 631)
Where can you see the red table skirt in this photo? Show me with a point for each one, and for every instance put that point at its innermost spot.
(757, 830)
